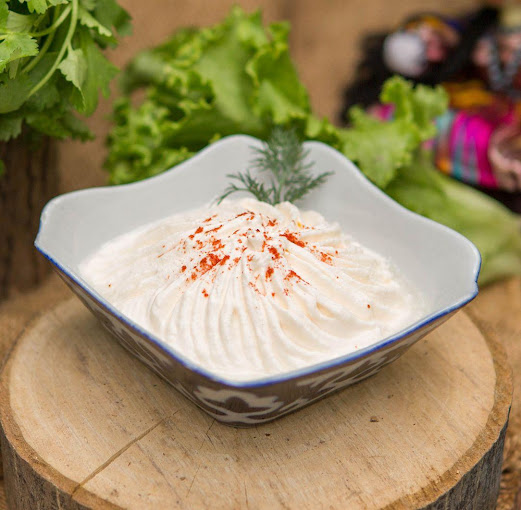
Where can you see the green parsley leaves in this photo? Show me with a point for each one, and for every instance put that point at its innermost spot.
(52, 65)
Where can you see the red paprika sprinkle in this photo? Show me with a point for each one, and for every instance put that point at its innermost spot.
(217, 244)
(292, 238)
(292, 274)
(324, 257)
(274, 252)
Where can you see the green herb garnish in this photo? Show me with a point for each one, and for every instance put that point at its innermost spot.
(51, 63)
(283, 156)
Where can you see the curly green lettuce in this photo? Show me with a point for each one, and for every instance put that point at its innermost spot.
(202, 85)
(238, 77)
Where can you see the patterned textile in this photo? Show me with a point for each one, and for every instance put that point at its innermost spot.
(463, 141)
(465, 132)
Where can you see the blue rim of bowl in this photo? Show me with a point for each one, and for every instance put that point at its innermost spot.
(293, 374)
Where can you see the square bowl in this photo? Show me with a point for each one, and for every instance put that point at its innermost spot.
(440, 263)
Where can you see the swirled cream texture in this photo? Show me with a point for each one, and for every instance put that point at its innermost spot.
(248, 290)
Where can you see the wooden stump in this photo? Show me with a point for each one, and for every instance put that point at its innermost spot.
(29, 182)
(84, 425)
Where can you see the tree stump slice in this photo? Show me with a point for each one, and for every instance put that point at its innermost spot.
(85, 425)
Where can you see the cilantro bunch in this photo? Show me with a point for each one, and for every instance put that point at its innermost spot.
(238, 77)
(51, 64)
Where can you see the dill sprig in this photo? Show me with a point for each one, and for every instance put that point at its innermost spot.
(284, 157)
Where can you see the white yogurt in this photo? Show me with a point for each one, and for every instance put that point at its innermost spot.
(248, 290)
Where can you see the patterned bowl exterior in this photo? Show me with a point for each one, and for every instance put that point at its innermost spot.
(247, 404)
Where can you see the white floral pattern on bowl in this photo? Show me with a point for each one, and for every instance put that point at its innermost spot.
(442, 264)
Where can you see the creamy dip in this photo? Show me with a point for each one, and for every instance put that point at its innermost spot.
(248, 290)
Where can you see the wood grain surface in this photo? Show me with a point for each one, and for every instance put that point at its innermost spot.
(30, 182)
(85, 424)
(497, 312)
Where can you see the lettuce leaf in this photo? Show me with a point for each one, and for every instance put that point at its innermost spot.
(380, 148)
(417, 106)
(235, 77)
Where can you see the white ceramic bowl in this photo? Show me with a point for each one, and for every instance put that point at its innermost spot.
(440, 263)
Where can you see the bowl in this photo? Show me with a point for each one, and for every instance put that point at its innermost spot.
(442, 265)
